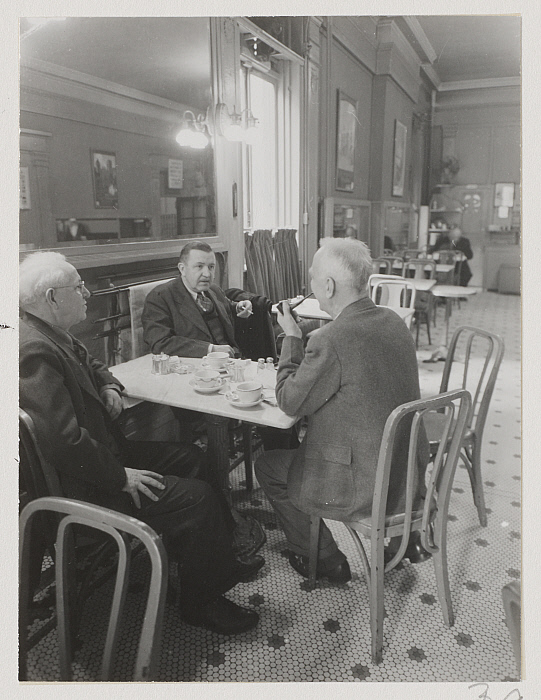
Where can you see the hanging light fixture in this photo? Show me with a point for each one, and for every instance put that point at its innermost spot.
(194, 131)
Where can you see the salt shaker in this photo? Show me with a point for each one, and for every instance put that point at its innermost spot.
(160, 364)
(260, 365)
(237, 371)
(270, 363)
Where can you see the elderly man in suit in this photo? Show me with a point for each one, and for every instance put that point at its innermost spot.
(354, 372)
(190, 316)
(73, 400)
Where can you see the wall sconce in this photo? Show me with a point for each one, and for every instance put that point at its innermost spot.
(192, 132)
(236, 127)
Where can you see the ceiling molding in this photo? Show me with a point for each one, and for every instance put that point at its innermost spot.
(94, 82)
(415, 34)
(479, 84)
(431, 74)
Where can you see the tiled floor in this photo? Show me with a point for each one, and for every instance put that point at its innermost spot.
(324, 635)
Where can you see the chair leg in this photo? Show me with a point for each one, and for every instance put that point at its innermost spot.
(377, 603)
(417, 324)
(248, 457)
(442, 582)
(428, 327)
(315, 525)
(477, 483)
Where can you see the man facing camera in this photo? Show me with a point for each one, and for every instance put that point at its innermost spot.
(354, 372)
(73, 401)
(190, 316)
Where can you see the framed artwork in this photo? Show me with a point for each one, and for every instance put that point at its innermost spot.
(346, 122)
(399, 158)
(104, 180)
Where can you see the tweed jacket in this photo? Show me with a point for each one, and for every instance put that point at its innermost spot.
(172, 322)
(74, 430)
(354, 372)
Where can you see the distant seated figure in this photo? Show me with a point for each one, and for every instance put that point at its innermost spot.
(454, 240)
(73, 231)
(190, 316)
(388, 243)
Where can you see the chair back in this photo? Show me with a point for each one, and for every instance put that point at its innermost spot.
(118, 526)
(478, 374)
(389, 290)
(381, 266)
(39, 477)
(254, 335)
(446, 257)
(438, 493)
(420, 267)
(411, 253)
(137, 295)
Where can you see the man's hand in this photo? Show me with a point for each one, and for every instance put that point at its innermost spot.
(287, 321)
(139, 480)
(113, 402)
(224, 348)
(244, 308)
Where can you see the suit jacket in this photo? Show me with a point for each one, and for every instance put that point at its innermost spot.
(463, 245)
(172, 322)
(74, 430)
(355, 371)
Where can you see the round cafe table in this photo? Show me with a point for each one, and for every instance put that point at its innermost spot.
(448, 292)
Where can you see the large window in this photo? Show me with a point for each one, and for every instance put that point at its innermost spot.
(271, 160)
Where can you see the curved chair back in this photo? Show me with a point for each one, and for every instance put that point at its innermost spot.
(39, 477)
(478, 376)
(445, 257)
(381, 266)
(411, 253)
(118, 526)
(389, 290)
(420, 267)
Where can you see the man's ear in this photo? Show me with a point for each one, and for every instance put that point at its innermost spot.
(330, 287)
(180, 267)
(49, 297)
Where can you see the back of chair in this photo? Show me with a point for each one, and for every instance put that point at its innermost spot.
(379, 263)
(446, 257)
(254, 335)
(395, 291)
(40, 478)
(118, 526)
(441, 475)
(420, 267)
(411, 253)
(478, 377)
(137, 295)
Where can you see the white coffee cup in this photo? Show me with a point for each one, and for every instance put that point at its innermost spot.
(247, 392)
(216, 360)
(208, 378)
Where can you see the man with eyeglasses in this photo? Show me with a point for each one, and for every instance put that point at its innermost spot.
(73, 401)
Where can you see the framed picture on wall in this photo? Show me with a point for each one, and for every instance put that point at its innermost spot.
(104, 179)
(346, 122)
(399, 158)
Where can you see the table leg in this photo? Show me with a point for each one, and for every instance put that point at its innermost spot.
(218, 450)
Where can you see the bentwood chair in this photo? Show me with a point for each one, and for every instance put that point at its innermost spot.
(478, 374)
(392, 291)
(118, 526)
(511, 606)
(418, 269)
(382, 266)
(430, 520)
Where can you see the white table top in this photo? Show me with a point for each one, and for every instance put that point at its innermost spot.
(310, 308)
(175, 390)
(451, 290)
(422, 285)
(439, 267)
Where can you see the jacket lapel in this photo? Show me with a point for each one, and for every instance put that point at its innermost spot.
(223, 316)
(186, 306)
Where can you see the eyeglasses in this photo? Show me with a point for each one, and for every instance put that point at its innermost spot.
(79, 287)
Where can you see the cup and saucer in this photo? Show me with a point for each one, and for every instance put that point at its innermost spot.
(218, 361)
(207, 381)
(246, 395)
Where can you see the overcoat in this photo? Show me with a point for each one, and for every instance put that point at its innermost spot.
(354, 372)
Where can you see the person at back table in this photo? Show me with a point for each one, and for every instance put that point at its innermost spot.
(354, 372)
(455, 240)
(190, 316)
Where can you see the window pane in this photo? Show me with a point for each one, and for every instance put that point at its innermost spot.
(264, 190)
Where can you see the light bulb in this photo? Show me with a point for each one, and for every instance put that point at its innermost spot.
(233, 132)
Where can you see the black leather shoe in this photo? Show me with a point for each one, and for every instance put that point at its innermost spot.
(415, 551)
(339, 574)
(248, 537)
(222, 616)
(247, 567)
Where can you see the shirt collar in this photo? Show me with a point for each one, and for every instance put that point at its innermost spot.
(194, 294)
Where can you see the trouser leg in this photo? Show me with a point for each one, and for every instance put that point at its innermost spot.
(190, 519)
(271, 471)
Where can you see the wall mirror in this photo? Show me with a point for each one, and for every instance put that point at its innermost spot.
(102, 100)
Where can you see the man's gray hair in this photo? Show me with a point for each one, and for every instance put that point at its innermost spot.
(40, 271)
(354, 259)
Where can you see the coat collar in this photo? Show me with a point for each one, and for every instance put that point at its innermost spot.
(63, 341)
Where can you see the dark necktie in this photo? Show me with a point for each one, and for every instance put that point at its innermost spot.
(204, 303)
(81, 352)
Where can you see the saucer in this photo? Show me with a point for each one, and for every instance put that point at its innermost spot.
(204, 389)
(238, 404)
(222, 370)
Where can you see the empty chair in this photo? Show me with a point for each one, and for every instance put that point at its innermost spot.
(118, 526)
(419, 269)
(381, 266)
(412, 253)
(430, 521)
(392, 291)
(478, 375)
(511, 606)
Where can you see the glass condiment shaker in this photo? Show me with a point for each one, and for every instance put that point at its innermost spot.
(260, 365)
(237, 371)
(269, 363)
(160, 364)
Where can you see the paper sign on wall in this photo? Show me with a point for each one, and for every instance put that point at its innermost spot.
(503, 212)
(175, 174)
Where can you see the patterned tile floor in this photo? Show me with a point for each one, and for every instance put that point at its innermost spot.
(324, 635)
